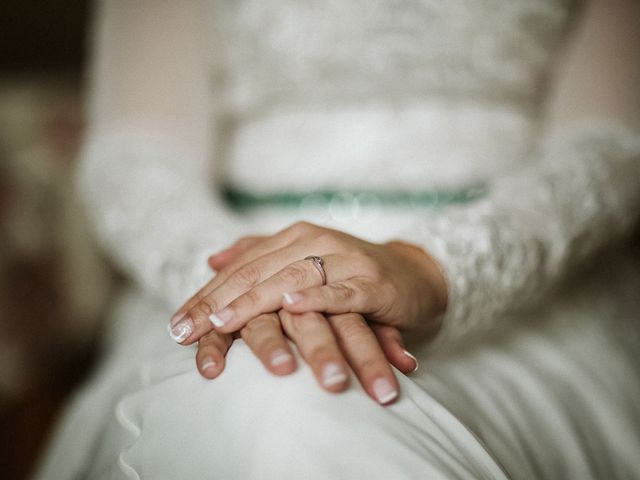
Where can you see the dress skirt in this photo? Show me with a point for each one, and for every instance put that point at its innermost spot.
(551, 394)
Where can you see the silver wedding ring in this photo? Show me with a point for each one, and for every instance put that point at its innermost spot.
(319, 264)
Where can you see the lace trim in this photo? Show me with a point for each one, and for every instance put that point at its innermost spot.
(508, 250)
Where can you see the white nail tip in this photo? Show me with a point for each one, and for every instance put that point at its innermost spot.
(208, 364)
(216, 321)
(280, 358)
(180, 332)
(388, 397)
(333, 374)
(412, 358)
(384, 391)
(334, 379)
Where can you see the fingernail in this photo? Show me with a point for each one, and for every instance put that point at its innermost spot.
(383, 391)
(177, 317)
(181, 330)
(208, 362)
(221, 318)
(332, 374)
(291, 298)
(279, 357)
(412, 358)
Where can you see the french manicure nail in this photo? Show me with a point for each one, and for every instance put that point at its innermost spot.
(208, 362)
(176, 318)
(332, 374)
(291, 298)
(279, 357)
(412, 358)
(383, 391)
(222, 317)
(181, 330)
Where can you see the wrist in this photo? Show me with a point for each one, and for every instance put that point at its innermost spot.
(429, 269)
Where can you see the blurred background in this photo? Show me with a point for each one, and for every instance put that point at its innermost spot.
(53, 280)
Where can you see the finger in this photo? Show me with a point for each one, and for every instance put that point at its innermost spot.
(192, 320)
(266, 340)
(278, 241)
(189, 325)
(268, 245)
(210, 357)
(267, 295)
(223, 258)
(195, 318)
(352, 295)
(365, 356)
(223, 272)
(179, 316)
(317, 345)
(390, 340)
(217, 262)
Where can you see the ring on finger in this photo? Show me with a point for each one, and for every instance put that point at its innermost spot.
(318, 262)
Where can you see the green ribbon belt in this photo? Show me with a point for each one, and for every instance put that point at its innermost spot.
(244, 200)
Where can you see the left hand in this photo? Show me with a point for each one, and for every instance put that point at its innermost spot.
(326, 343)
(395, 283)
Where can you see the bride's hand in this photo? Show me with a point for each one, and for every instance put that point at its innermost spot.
(327, 350)
(393, 284)
(327, 343)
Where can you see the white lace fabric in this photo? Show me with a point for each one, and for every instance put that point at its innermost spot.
(160, 101)
(512, 248)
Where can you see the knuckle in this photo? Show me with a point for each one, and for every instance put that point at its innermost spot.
(247, 276)
(301, 226)
(370, 289)
(252, 297)
(305, 321)
(300, 229)
(205, 307)
(342, 292)
(295, 274)
(209, 349)
(329, 240)
(269, 319)
(351, 329)
(259, 324)
(199, 296)
(248, 331)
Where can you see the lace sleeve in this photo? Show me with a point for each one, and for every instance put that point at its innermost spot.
(512, 247)
(580, 194)
(144, 172)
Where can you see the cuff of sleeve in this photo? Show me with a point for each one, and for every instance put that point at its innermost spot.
(455, 255)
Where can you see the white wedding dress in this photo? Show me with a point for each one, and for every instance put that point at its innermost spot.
(534, 374)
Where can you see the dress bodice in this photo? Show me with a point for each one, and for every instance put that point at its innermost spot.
(305, 51)
(380, 93)
(345, 94)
